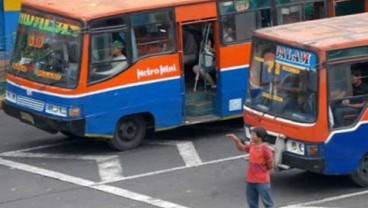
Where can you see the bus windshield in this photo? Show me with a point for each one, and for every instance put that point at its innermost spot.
(47, 49)
(283, 81)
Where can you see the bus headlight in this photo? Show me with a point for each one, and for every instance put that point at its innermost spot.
(295, 147)
(56, 110)
(11, 97)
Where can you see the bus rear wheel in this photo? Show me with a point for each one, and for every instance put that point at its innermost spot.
(360, 176)
(129, 133)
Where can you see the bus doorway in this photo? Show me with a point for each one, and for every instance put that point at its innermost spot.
(200, 74)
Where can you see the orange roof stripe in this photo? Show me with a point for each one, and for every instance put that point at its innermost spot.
(328, 33)
(91, 9)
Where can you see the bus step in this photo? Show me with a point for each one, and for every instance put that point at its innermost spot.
(199, 96)
(189, 120)
(199, 108)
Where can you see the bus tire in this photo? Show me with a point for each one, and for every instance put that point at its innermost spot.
(129, 133)
(360, 176)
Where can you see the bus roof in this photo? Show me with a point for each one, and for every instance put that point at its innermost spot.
(91, 9)
(324, 34)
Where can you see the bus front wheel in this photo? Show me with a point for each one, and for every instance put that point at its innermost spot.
(360, 176)
(129, 133)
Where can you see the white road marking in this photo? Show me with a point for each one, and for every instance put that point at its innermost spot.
(109, 167)
(186, 150)
(41, 147)
(54, 156)
(189, 154)
(291, 206)
(176, 169)
(90, 184)
(329, 199)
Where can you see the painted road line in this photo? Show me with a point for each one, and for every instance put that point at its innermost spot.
(329, 199)
(54, 156)
(189, 154)
(296, 206)
(109, 167)
(176, 169)
(90, 184)
(187, 151)
(41, 147)
(292, 206)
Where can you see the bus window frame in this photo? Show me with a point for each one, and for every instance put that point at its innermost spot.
(128, 55)
(220, 20)
(172, 21)
(274, 20)
(302, 4)
(94, 29)
(330, 63)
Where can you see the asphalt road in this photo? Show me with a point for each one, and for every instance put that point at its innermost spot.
(191, 167)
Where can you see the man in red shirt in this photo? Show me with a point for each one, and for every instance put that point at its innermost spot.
(260, 163)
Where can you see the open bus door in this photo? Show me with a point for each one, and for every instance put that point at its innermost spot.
(199, 70)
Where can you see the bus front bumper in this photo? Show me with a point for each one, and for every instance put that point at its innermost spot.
(44, 122)
(316, 165)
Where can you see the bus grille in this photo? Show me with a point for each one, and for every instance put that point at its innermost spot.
(31, 103)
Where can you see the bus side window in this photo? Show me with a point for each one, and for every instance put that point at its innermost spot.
(315, 10)
(287, 13)
(348, 92)
(233, 14)
(108, 55)
(153, 33)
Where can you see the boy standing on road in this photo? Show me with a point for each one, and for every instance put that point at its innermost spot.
(260, 163)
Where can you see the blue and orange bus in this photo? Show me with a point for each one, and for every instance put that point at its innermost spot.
(309, 90)
(113, 69)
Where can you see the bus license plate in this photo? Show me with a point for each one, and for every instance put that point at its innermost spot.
(27, 117)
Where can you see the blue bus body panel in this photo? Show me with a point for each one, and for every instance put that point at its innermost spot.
(10, 25)
(103, 110)
(231, 91)
(162, 100)
(345, 149)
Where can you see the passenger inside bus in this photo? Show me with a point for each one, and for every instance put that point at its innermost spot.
(298, 93)
(349, 109)
(207, 64)
(190, 48)
(294, 84)
(229, 34)
(118, 61)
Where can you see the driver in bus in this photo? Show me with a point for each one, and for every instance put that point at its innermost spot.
(118, 60)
